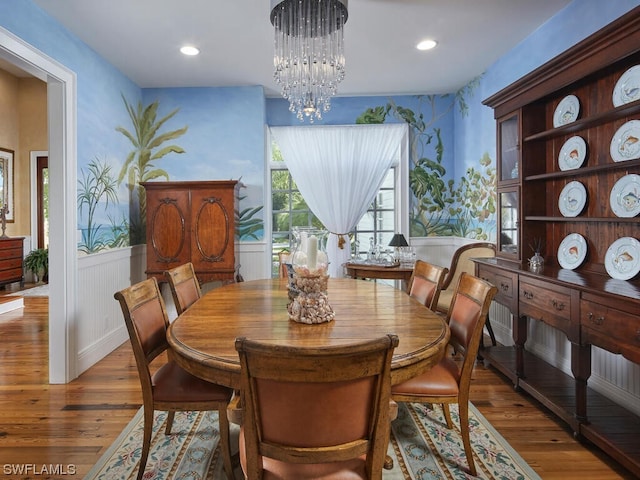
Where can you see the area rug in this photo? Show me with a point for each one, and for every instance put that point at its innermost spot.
(39, 291)
(422, 449)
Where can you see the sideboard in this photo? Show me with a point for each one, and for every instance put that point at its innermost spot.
(561, 127)
(11, 257)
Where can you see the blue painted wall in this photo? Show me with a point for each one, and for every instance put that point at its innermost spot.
(226, 138)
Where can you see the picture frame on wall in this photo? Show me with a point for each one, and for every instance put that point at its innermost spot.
(6, 182)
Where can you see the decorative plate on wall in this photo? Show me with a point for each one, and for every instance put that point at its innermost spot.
(573, 153)
(625, 144)
(625, 196)
(573, 198)
(572, 251)
(567, 111)
(622, 259)
(627, 88)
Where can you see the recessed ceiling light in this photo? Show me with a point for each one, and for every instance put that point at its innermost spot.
(426, 45)
(189, 50)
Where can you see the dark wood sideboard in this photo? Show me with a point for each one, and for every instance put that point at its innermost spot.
(193, 221)
(584, 302)
(11, 257)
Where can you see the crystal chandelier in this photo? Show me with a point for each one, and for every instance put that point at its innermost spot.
(309, 52)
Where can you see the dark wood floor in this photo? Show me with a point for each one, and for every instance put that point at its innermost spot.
(74, 424)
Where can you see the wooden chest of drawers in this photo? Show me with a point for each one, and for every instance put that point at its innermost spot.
(11, 255)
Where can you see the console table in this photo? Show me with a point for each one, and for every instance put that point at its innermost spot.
(398, 272)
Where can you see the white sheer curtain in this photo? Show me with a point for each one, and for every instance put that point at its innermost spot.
(339, 170)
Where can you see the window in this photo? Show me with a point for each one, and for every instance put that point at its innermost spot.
(289, 209)
(377, 226)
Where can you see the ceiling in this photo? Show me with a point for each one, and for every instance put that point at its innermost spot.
(142, 37)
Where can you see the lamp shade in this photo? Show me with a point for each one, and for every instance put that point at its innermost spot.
(398, 240)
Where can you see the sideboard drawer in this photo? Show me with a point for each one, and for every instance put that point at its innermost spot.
(551, 304)
(505, 282)
(609, 328)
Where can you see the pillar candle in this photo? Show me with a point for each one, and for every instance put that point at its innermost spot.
(312, 252)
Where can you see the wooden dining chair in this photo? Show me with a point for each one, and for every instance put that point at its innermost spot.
(170, 388)
(426, 283)
(315, 412)
(448, 382)
(461, 262)
(184, 285)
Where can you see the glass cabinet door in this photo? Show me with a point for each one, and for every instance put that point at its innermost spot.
(509, 149)
(509, 226)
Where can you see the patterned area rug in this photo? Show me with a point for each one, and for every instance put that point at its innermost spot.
(422, 448)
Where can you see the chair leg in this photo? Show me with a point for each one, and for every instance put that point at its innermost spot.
(447, 415)
(146, 440)
(490, 330)
(170, 416)
(225, 442)
(464, 430)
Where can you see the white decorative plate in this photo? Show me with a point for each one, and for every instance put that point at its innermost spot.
(625, 144)
(567, 111)
(622, 260)
(627, 88)
(625, 196)
(572, 251)
(573, 153)
(572, 200)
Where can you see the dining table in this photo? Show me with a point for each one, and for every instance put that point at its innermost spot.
(203, 337)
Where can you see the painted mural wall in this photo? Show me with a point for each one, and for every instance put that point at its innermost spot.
(219, 133)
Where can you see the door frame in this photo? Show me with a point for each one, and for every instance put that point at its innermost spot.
(63, 264)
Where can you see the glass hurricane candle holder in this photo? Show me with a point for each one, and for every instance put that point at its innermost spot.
(308, 288)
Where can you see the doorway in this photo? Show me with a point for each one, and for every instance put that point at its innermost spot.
(61, 118)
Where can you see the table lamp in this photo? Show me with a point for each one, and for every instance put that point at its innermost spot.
(398, 241)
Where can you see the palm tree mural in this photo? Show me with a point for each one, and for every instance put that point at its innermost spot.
(139, 165)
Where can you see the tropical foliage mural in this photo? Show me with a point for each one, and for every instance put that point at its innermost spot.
(441, 205)
(98, 186)
(149, 146)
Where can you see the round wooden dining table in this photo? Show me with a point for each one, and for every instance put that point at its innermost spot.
(203, 337)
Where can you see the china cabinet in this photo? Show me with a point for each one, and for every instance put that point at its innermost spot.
(567, 165)
(192, 221)
(11, 256)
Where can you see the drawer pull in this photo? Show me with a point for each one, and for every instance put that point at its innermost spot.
(598, 320)
(557, 305)
(504, 286)
(526, 294)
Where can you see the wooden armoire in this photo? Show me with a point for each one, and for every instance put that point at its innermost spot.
(192, 221)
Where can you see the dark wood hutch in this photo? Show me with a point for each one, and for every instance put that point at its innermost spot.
(192, 221)
(585, 303)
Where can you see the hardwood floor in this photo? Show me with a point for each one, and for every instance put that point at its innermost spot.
(72, 425)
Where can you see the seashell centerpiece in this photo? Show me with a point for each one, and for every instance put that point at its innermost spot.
(309, 302)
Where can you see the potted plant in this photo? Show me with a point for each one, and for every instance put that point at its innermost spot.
(37, 261)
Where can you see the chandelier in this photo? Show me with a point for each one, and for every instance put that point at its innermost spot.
(309, 52)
